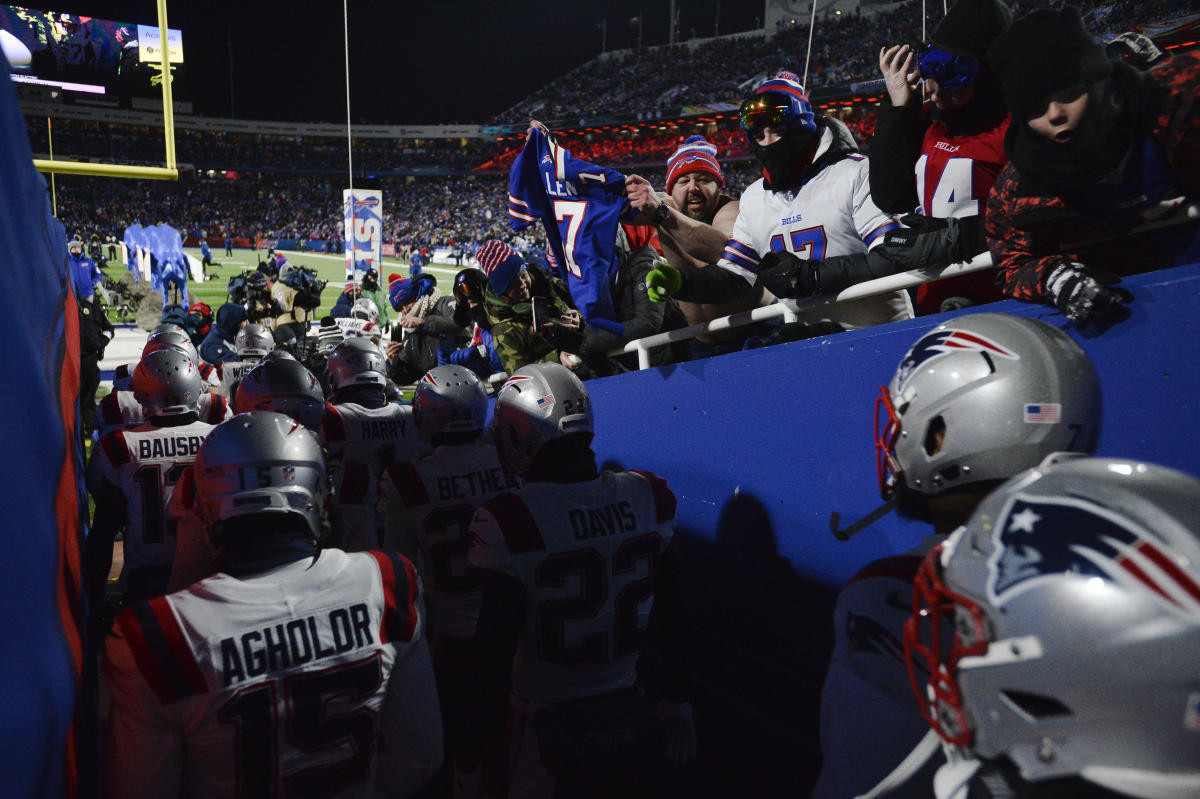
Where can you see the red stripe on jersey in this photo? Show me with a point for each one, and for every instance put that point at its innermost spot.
(356, 483)
(664, 498)
(152, 652)
(516, 523)
(218, 406)
(185, 489)
(408, 482)
(178, 646)
(400, 585)
(115, 448)
(332, 427)
(110, 410)
(901, 567)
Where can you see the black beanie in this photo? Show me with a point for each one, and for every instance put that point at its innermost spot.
(971, 25)
(1043, 53)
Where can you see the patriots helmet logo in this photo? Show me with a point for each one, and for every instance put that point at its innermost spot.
(943, 342)
(1087, 540)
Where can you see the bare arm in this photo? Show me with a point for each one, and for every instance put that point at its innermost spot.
(701, 242)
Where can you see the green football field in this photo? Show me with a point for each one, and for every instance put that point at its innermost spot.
(329, 267)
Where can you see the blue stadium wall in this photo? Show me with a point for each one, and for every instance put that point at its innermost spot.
(761, 446)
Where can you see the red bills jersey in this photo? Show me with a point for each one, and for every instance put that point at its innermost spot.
(954, 178)
(587, 554)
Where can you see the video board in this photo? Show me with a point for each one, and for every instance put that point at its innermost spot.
(91, 55)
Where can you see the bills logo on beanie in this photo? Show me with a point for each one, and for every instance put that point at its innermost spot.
(697, 154)
(500, 263)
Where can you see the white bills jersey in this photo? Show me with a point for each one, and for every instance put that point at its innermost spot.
(308, 679)
(352, 327)
(429, 504)
(360, 443)
(587, 554)
(145, 462)
(230, 374)
(830, 214)
(119, 409)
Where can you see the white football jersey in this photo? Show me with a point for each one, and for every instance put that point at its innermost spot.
(428, 506)
(119, 409)
(587, 554)
(145, 462)
(830, 214)
(360, 443)
(275, 684)
(352, 327)
(230, 374)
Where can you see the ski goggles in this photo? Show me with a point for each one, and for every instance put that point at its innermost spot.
(768, 108)
(950, 70)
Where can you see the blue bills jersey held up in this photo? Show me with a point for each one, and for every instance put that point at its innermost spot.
(580, 205)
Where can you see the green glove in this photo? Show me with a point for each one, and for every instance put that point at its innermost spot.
(662, 281)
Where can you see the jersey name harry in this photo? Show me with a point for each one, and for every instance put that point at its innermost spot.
(172, 447)
(295, 643)
(388, 429)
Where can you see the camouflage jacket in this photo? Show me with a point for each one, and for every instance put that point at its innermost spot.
(1031, 228)
(517, 343)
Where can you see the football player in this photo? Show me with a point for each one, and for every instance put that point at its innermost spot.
(291, 671)
(974, 401)
(570, 562)
(363, 433)
(807, 228)
(133, 473)
(1064, 663)
(429, 505)
(252, 344)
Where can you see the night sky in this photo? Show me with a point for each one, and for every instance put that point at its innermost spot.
(441, 61)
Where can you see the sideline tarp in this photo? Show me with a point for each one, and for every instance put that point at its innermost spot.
(41, 498)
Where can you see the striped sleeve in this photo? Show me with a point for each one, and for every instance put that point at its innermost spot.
(332, 427)
(516, 524)
(409, 487)
(401, 593)
(160, 650)
(115, 448)
(740, 254)
(519, 209)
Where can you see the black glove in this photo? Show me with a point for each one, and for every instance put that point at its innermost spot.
(785, 275)
(1086, 295)
(931, 241)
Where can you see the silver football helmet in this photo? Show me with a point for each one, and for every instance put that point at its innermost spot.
(983, 397)
(1074, 597)
(365, 308)
(165, 326)
(539, 403)
(171, 339)
(167, 383)
(449, 399)
(354, 362)
(253, 342)
(284, 387)
(261, 462)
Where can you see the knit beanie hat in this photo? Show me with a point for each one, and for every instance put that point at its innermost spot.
(1043, 53)
(697, 154)
(971, 25)
(401, 292)
(500, 263)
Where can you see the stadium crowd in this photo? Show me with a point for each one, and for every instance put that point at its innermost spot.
(330, 590)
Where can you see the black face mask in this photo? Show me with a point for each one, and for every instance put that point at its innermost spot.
(785, 161)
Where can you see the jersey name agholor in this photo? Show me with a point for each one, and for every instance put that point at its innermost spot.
(270, 685)
(587, 554)
(429, 504)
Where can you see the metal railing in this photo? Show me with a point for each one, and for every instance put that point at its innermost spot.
(789, 309)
